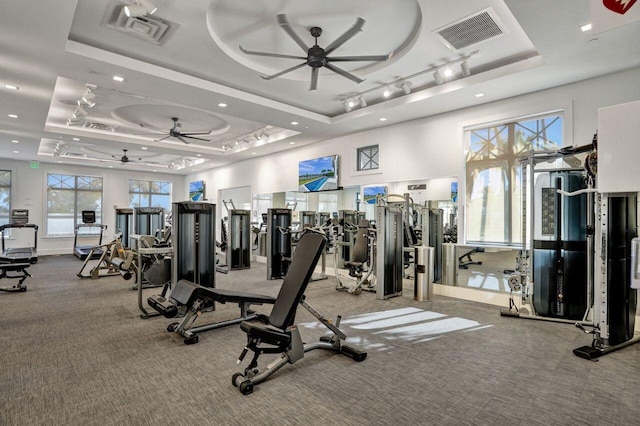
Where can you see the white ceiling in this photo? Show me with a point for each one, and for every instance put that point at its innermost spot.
(54, 51)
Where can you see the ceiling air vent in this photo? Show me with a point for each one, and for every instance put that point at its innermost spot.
(148, 28)
(98, 126)
(474, 29)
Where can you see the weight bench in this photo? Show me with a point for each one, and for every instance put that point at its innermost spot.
(5, 268)
(191, 300)
(465, 260)
(278, 330)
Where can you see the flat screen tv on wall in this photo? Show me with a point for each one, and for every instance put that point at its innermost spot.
(371, 192)
(318, 174)
(196, 190)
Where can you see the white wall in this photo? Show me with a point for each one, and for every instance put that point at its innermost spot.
(431, 147)
(29, 191)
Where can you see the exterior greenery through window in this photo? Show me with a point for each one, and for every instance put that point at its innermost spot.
(368, 158)
(67, 197)
(5, 196)
(494, 176)
(143, 193)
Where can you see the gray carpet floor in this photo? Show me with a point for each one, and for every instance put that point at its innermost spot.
(76, 352)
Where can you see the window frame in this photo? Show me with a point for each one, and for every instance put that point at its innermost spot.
(149, 193)
(8, 187)
(77, 210)
(511, 168)
(362, 151)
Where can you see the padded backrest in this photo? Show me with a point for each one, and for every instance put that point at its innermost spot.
(362, 242)
(304, 261)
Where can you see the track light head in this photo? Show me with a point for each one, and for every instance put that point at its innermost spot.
(438, 77)
(362, 101)
(80, 113)
(387, 92)
(405, 86)
(148, 5)
(348, 105)
(134, 10)
(464, 66)
(88, 99)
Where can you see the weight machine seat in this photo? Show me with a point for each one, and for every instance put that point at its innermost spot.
(13, 267)
(187, 293)
(361, 246)
(275, 329)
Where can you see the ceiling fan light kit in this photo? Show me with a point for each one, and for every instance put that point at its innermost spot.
(317, 57)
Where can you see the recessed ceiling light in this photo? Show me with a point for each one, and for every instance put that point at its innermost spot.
(76, 139)
(154, 170)
(16, 152)
(15, 141)
(479, 95)
(198, 155)
(586, 27)
(59, 162)
(294, 123)
(118, 78)
(193, 170)
(253, 153)
(222, 105)
(448, 72)
(144, 148)
(11, 87)
(111, 167)
(292, 143)
(383, 119)
(13, 116)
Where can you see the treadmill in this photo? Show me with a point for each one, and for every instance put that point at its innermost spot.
(27, 253)
(88, 228)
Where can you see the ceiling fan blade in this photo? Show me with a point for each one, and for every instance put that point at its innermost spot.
(269, 77)
(272, 55)
(183, 140)
(314, 79)
(358, 58)
(192, 137)
(191, 133)
(160, 140)
(346, 36)
(282, 21)
(343, 73)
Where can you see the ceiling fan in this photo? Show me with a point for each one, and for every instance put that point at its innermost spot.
(124, 159)
(176, 132)
(317, 56)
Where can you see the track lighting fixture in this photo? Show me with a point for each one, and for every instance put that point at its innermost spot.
(148, 5)
(80, 113)
(134, 11)
(140, 8)
(89, 98)
(405, 86)
(439, 72)
(438, 77)
(464, 66)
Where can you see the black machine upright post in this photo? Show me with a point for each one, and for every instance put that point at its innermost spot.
(278, 243)
(194, 243)
(239, 246)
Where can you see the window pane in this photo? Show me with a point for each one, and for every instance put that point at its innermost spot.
(368, 157)
(5, 178)
(163, 201)
(494, 176)
(67, 196)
